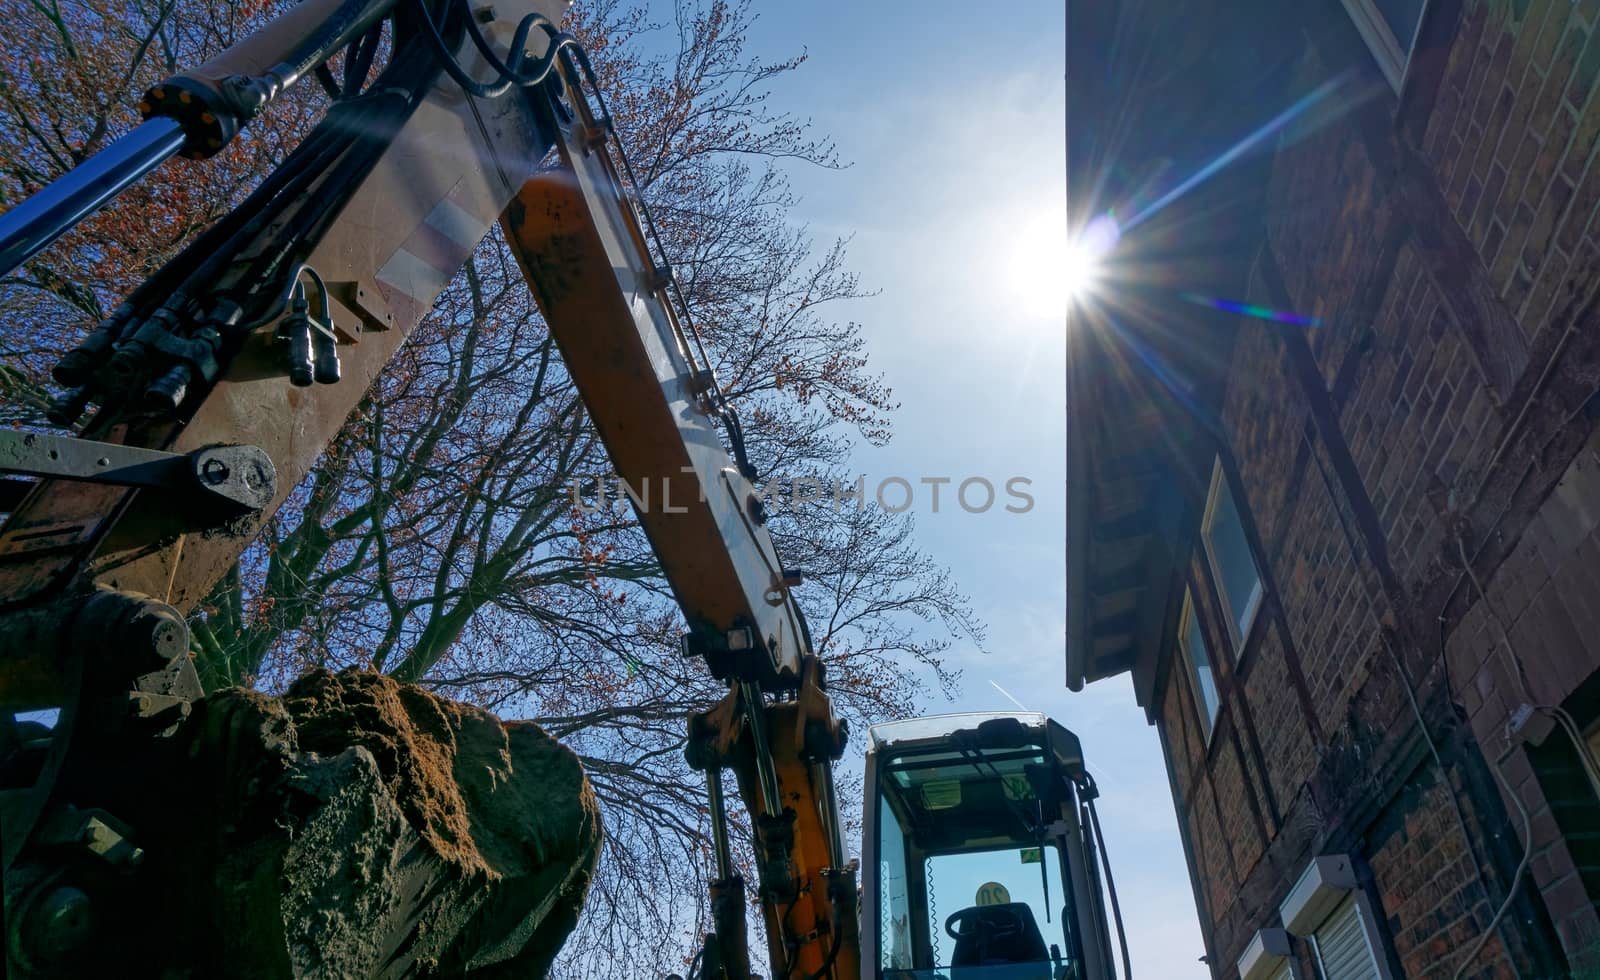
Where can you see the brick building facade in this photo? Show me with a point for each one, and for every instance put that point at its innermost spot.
(1352, 566)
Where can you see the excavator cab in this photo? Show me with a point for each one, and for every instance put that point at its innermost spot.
(979, 862)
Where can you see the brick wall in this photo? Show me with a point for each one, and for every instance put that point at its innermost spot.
(1512, 140)
(1443, 407)
(1288, 748)
(1431, 901)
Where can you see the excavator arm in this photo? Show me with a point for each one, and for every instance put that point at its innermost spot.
(615, 310)
(219, 382)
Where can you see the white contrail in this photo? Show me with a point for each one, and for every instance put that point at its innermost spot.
(1019, 704)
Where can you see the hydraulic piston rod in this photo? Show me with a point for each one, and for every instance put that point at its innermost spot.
(26, 229)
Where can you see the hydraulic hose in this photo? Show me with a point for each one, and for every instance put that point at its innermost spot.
(214, 100)
(195, 113)
(1111, 890)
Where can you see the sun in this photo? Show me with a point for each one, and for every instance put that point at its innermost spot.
(1047, 270)
(1087, 253)
(1080, 269)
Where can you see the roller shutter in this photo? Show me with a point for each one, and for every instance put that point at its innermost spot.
(1343, 952)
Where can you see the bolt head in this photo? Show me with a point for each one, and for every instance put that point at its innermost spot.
(215, 471)
(169, 639)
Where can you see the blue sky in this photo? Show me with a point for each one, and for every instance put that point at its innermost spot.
(952, 124)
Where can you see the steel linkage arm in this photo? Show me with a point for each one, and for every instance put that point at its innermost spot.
(782, 753)
(613, 307)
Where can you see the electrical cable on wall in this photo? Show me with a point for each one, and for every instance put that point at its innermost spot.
(1516, 877)
(1563, 720)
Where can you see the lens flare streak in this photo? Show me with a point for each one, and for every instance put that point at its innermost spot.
(1258, 312)
(1237, 150)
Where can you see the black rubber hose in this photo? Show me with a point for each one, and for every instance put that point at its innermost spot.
(349, 22)
(287, 183)
(367, 117)
(358, 63)
(833, 954)
(447, 59)
(507, 76)
(1111, 889)
(155, 290)
(519, 44)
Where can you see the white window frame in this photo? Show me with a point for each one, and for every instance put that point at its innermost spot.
(1393, 57)
(1208, 712)
(1236, 633)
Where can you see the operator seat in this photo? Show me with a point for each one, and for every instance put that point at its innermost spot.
(996, 935)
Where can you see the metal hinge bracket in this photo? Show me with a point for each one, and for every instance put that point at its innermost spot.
(240, 477)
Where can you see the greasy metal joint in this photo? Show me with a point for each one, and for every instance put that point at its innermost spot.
(210, 117)
(132, 635)
(52, 921)
(819, 735)
(143, 633)
(703, 643)
(95, 832)
(775, 844)
(713, 734)
(158, 715)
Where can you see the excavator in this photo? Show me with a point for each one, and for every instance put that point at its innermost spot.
(209, 393)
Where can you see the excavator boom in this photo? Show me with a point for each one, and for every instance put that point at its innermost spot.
(221, 380)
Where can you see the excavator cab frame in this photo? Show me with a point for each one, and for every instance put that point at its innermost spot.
(992, 805)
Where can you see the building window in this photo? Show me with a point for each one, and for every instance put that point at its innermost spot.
(1193, 641)
(1343, 950)
(1327, 908)
(1389, 27)
(1233, 567)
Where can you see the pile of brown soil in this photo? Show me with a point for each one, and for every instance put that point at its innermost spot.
(358, 827)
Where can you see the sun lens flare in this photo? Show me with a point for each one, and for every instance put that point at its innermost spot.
(1044, 269)
(1081, 270)
(1086, 255)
